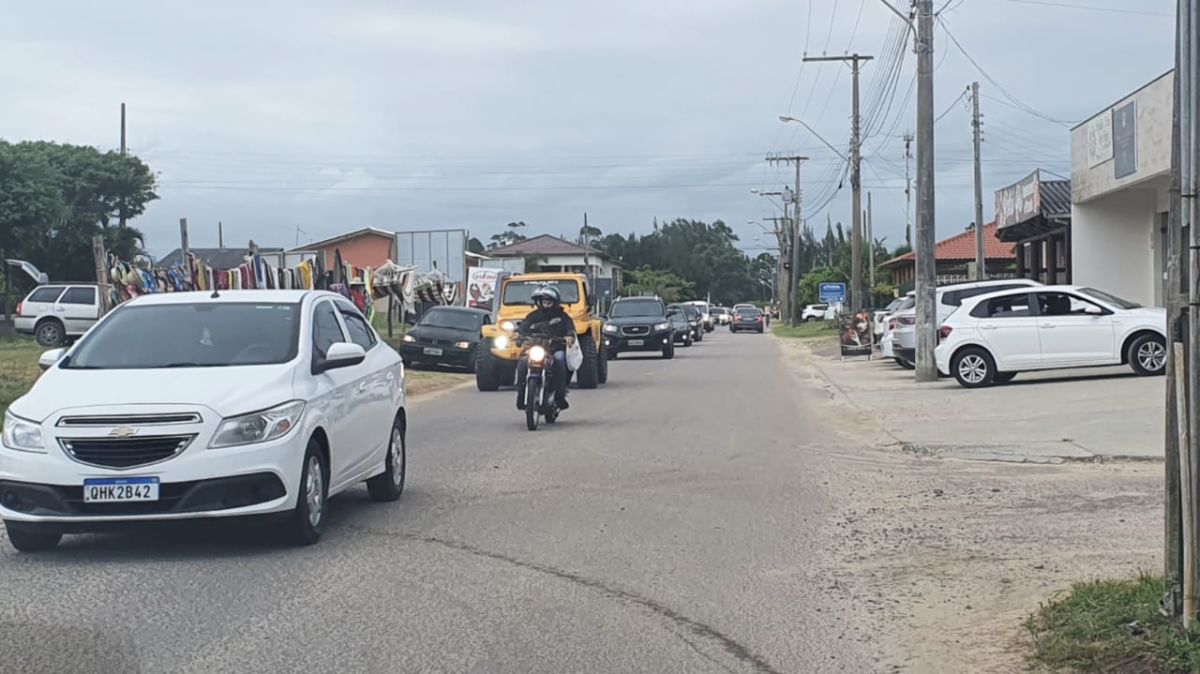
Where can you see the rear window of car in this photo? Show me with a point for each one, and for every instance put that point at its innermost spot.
(79, 296)
(751, 312)
(45, 294)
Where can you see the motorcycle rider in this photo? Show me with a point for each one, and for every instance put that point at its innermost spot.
(560, 328)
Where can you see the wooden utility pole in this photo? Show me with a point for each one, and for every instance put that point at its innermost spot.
(220, 234)
(870, 242)
(100, 259)
(183, 248)
(123, 150)
(856, 276)
(1176, 397)
(980, 258)
(793, 233)
(908, 139)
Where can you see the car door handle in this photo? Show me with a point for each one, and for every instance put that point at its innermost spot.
(1047, 325)
(988, 326)
(60, 309)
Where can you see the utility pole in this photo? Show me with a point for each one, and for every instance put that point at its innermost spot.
(870, 243)
(908, 139)
(980, 259)
(856, 278)
(123, 150)
(926, 239)
(183, 248)
(100, 259)
(793, 233)
(221, 235)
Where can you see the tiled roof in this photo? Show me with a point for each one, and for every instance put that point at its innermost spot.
(375, 231)
(217, 258)
(544, 244)
(1055, 197)
(961, 246)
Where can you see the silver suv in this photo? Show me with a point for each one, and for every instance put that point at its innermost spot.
(949, 298)
(58, 313)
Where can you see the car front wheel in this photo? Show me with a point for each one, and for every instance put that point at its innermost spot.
(973, 368)
(307, 519)
(1148, 355)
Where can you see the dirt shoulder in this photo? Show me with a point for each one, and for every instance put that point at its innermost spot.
(949, 556)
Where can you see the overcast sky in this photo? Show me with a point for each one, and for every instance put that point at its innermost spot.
(300, 120)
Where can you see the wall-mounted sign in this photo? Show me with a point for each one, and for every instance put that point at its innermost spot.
(1099, 139)
(1124, 121)
(1019, 202)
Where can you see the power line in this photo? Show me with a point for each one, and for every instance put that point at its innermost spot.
(1091, 8)
(949, 107)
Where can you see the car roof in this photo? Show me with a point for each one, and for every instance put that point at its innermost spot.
(230, 296)
(972, 301)
(967, 285)
(465, 310)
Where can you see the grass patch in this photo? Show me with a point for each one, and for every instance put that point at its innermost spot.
(814, 330)
(1112, 626)
(418, 382)
(18, 368)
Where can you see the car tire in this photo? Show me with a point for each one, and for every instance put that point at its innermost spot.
(602, 366)
(588, 374)
(307, 519)
(1147, 355)
(973, 367)
(699, 336)
(668, 351)
(473, 360)
(905, 364)
(487, 371)
(388, 485)
(50, 333)
(30, 537)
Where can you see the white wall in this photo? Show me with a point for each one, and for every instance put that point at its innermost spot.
(1113, 244)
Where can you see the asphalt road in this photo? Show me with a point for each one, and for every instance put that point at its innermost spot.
(669, 523)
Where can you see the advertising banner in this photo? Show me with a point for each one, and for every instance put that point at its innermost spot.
(855, 334)
(481, 287)
(1125, 140)
(831, 293)
(1020, 202)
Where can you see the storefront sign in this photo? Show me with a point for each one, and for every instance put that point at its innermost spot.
(831, 293)
(1125, 140)
(855, 334)
(1020, 202)
(481, 287)
(1100, 139)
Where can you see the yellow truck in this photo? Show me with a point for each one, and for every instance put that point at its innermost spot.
(498, 354)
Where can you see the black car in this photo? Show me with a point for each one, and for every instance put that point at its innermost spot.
(445, 336)
(748, 319)
(694, 319)
(638, 324)
(683, 331)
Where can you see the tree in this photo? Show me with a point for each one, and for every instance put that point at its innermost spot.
(660, 283)
(511, 234)
(54, 198)
(475, 246)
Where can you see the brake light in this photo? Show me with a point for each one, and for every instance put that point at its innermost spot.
(908, 320)
(19, 305)
(891, 324)
(758, 319)
(945, 331)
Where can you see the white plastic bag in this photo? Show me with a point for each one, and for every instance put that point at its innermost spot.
(574, 355)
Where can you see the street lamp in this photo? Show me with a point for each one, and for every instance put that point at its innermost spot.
(786, 118)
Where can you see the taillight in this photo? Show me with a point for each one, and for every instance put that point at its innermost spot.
(891, 324)
(944, 331)
(908, 320)
(19, 305)
(758, 318)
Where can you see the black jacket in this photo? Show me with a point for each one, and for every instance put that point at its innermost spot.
(558, 323)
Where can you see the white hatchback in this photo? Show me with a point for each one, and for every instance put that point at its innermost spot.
(189, 405)
(992, 337)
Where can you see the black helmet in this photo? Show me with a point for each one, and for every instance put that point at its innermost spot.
(546, 292)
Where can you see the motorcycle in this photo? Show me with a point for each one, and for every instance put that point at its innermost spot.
(538, 354)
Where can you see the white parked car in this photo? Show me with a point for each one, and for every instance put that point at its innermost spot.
(949, 298)
(813, 312)
(890, 323)
(880, 317)
(55, 314)
(706, 317)
(993, 337)
(186, 405)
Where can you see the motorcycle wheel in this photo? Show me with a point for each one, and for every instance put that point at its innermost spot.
(533, 403)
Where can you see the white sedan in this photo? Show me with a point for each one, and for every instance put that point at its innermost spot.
(992, 337)
(189, 405)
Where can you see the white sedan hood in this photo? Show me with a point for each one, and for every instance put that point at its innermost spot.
(228, 391)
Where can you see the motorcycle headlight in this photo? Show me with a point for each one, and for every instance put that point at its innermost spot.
(22, 435)
(409, 338)
(508, 326)
(610, 328)
(500, 342)
(537, 354)
(662, 326)
(258, 426)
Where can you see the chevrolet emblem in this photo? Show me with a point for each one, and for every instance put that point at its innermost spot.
(123, 432)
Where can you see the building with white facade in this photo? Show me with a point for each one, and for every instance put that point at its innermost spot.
(1120, 172)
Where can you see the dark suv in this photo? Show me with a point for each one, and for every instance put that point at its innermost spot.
(638, 324)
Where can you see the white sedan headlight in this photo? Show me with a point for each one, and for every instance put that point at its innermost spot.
(258, 426)
(610, 328)
(662, 326)
(22, 435)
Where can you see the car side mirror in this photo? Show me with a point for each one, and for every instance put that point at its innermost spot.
(340, 354)
(49, 358)
(1093, 310)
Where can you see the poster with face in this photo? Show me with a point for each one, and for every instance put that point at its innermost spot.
(855, 334)
(481, 287)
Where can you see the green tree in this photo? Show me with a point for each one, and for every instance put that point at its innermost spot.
(54, 198)
(810, 284)
(511, 234)
(475, 246)
(660, 283)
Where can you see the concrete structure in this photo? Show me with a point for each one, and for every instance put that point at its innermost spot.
(367, 247)
(555, 254)
(1034, 215)
(1120, 171)
(955, 260)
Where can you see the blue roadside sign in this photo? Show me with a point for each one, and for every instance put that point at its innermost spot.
(832, 293)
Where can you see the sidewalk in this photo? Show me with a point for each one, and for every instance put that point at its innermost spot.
(1096, 414)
